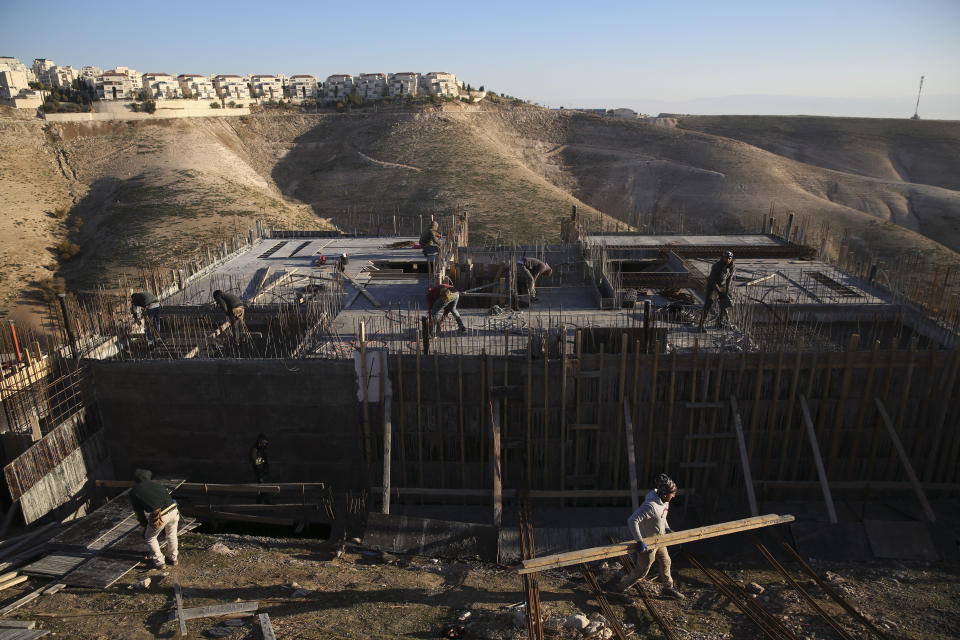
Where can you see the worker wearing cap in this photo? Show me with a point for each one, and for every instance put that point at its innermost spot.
(444, 297)
(651, 520)
(529, 271)
(430, 245)
(718, 284)
(157, 512)
(231, 305)
(144, 303)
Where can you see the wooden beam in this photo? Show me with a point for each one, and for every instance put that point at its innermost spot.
(204, 487)
(921, 496)
(214, 610)
(16, 604)
(496, 470)
(858, 485)
(821, 472)
(631, 456)
(569, 558)
(266, 628)
(387, 433)
(362, 289)
(744, 458)
(179, 599)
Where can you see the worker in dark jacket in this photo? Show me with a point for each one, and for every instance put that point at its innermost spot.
(718, 286)
(157, 512)
(443, 297)
(231, 305)
(144, 303)
(529, 271)
(430, 245)
(259, 459)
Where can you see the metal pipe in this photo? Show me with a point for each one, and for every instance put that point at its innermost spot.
(16, 344)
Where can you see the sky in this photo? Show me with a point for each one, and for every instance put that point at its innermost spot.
(837, 57)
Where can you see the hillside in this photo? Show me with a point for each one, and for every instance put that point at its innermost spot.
(156, 192)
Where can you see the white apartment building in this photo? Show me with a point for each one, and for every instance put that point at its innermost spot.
(59, 76)
(403, 84)
(113, 85)
(266, 87)
(302, 87)
(14, 77)
(372, 86)
(231, 87)
(161, 86)
(441, 83)
(89, 76)
(136, 79)
(40, 65)
(338, 86)
(196, 86)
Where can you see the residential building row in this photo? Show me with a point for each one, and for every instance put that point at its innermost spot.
(123, 83)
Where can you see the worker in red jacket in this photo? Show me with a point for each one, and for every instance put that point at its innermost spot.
(443, 297)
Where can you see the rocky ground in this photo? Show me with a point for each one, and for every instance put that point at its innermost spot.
(312, 591)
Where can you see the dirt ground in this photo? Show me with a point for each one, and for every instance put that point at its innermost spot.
(312, 594)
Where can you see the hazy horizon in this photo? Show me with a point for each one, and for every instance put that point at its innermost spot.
(854, 58)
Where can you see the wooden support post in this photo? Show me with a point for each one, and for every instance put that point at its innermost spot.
(854, 469)
(821, 472)
(772, 415)
(495, 463)
(563, 423)
(529, 406)
(631, 456)
(266, 629)
(438, 423)
(652, 410)
(463, 444)
(387, 433)
(840, 418)
(946, 393)
(364, 390)
(419, 426)
(403, 440)
(670, 396)
(904, 407)
(905, 460)
(744, 458)
(620, 416)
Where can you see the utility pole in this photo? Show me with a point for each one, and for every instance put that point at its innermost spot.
(916, 111)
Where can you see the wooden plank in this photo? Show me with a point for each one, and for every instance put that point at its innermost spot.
(22, 634)
(921, 496)
(496, 469)
(12, 582)
(17, 624)
(569, 558)
(214, 610)
(387, 435)
(362, 289)
(744, 459)
(16, 604)
(821, 472)
(205, 487)
(631, 456)
(266, 628)
(49, 591)
(840, 417)
(179, 599)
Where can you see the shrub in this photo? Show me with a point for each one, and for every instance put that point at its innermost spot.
(214, 105)
(232, 104)
(150, 106)
(135, 107)
(49, 287)
(60, 213)
(67, 249)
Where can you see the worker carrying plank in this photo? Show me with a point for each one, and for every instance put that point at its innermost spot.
(718, 288)
(157, 512)
(529, 271)
(443, 297)
(651, 520)
(144, 305)
(231, 305)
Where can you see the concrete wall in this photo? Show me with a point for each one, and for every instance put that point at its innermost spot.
(199, 419)
(165, 109)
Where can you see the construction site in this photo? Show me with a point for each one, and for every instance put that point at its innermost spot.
(824, 412)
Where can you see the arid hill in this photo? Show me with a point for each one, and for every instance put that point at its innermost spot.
(127, 194)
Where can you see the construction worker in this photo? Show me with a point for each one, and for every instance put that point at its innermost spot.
(157, 512)
(231, 305)
(718, 286)
(649, 520)
(430, 245)
(529, 271)
(144, 303)
(259, 459)
(444, 297)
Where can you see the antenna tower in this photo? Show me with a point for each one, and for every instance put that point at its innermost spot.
(916, 111)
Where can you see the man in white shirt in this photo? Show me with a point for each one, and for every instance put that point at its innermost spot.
(649, 520)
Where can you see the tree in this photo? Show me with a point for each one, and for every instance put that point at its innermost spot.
(481, 88)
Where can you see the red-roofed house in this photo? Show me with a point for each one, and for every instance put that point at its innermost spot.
(372, 86)
(441, 83)
(302, 87)
(230, 87)
(113, 85)
(338, 86)
(161, 86)
(196, 86)
(403, 84)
